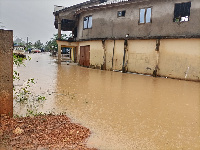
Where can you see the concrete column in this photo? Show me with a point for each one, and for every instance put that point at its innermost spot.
(59, 54)
(6, 72)
(59, 28)
(59, 38)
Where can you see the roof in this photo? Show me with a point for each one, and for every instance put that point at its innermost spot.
(112, 2)
(91, 4)
(107, 4)
(78, 6)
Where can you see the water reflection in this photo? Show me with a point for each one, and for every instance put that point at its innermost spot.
(124, 111)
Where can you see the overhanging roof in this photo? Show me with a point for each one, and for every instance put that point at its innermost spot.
(79, 6)
(94, 4)
(108, 4)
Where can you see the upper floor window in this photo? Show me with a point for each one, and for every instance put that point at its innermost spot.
(145, 15)
(87, 22)
(182, 12)
(121, 13)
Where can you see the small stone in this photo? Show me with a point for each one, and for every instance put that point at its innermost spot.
(18, 130)
(1, 132)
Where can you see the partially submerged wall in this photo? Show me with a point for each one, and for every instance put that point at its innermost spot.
(180, 58)
(142, 56)
(6, 72)
(118, 55)
(96, 53)
(175, 58)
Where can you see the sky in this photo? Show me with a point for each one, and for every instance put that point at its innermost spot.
(31, 18)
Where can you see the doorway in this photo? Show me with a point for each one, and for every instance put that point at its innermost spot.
(85, 56)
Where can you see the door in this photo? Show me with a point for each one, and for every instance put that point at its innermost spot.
(84, 56)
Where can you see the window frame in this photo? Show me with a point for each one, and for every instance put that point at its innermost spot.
(145, 15)
(181, 18)
(122, 12)
(89, 20)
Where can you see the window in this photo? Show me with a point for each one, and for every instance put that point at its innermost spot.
(182, 12)
(121, 13)
(87, 23)
(145, 15)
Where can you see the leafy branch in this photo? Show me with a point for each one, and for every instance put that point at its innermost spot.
(24, 94)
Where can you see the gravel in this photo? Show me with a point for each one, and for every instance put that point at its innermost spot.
(43, 132)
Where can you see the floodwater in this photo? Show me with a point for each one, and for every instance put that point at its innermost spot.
(123, 111)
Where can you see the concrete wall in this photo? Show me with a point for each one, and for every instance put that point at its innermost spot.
(112, 50)
(118, 55)
(106, 24)
(109, 45)
(142, 56)
(180, 58)
(6, 72)
(175, 58)
(96, 53)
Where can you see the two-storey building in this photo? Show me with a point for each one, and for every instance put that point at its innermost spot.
(156, 37)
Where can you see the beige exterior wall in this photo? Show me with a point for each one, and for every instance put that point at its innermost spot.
(118, 55)
(109, 45)
(142, 56)
(96, 52)
(176, 58)
(180, 58)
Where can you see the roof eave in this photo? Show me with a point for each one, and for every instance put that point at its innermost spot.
(121, 3)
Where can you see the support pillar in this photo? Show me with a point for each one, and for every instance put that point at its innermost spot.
(155, 72)
(59, 54)
(59, 38)
(6, 72)
(125, 57)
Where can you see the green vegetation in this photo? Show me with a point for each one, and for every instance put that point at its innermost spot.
(38, 45)
(17, 60)
(23, 94)
(52, 44)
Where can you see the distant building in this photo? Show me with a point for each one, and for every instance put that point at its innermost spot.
(155, 37)
(19, 48)
(19, 51)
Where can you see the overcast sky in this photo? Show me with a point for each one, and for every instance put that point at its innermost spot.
(31, 18)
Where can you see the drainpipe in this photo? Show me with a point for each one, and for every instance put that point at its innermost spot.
(59, 38)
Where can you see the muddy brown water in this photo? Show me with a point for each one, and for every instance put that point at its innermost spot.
(123, 111)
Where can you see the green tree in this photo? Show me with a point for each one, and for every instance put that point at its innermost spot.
(52, 44)
(38, 44)
(29, 45)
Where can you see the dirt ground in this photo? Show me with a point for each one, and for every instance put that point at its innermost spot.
(43, 132)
